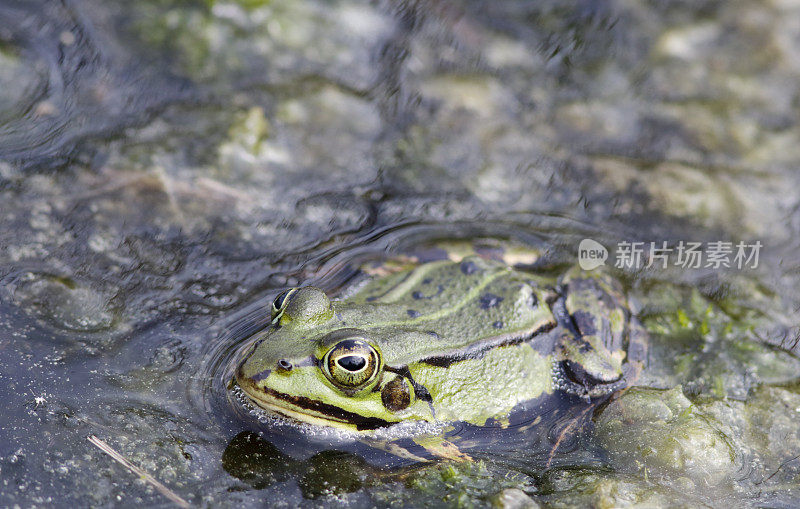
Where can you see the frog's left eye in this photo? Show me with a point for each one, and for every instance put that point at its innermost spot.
(280, 302)
(352, 364)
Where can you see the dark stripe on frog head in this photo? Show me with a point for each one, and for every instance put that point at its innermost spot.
(479, 350)
(359, 421)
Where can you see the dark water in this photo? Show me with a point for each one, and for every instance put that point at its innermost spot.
(167, 167)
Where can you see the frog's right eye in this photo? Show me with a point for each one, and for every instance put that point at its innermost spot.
(280, 303)
(352, 364)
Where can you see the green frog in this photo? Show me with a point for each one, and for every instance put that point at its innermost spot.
(470, 340)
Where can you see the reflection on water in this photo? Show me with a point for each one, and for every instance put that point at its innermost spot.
(167, 167)
(255, 461)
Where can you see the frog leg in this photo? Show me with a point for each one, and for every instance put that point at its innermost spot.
(638, 341)
(396, 450)
(595, 316)
(441, 448)
(623, 332)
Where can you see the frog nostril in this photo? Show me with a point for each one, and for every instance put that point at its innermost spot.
(284, 365)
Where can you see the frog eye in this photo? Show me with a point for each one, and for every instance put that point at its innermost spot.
(301, 307)
(352, 363)
(280, 302)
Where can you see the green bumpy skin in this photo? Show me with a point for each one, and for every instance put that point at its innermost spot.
(442, 341)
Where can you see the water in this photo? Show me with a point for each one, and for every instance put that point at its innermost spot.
(166, 168)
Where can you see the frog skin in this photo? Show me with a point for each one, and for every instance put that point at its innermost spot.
(442, 341)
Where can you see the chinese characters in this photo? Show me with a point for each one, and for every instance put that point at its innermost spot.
(687, 255)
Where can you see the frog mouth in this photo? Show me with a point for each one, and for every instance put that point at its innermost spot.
(307, 410)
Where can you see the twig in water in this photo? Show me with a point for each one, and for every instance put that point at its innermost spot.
(778, 469)
(141, 473)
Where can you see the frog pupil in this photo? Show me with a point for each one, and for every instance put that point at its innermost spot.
(352, 363)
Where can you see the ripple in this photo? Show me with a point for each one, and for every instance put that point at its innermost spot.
(72, 84)
(208, 390)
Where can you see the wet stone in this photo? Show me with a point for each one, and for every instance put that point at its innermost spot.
(662, 433)
(168, 358)
(591, 488)
(513, 498)
(65, 303)
(764, 430)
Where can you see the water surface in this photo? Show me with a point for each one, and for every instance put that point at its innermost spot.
(167, 167)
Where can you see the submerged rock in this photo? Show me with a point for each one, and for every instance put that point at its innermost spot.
(513, 498)
(661, 434)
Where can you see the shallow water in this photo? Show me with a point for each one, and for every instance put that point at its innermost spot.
(167, 167)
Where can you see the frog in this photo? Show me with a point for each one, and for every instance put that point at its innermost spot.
(467, 339)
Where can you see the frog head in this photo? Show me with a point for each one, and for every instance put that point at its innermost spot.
(310, 367)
